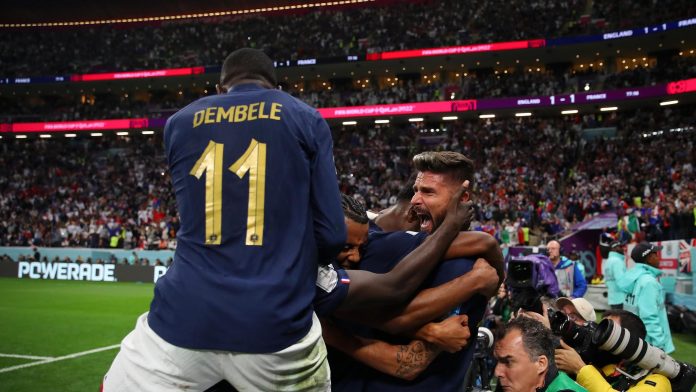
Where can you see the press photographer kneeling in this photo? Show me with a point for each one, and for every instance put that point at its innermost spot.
(613, 355)
(608, 371)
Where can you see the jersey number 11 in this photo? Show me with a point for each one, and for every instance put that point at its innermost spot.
(253, 161)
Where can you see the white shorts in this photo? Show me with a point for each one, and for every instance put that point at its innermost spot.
(148, 363)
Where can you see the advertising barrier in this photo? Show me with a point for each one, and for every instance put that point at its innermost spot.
(83, 271)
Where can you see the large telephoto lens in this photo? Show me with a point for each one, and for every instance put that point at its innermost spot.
(618, 341)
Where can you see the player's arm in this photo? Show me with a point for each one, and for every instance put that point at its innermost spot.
(477, 244)
(325, 199)
(435, 302)
(405, 361)
(397, 285)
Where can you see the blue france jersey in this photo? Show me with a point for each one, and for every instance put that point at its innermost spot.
(332, 289)
(447, 372)
(256, 191)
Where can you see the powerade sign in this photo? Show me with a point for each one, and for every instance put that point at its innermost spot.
(86, 272)
(66, 271)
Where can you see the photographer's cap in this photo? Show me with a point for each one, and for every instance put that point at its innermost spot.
(581, 305)
(640, 253)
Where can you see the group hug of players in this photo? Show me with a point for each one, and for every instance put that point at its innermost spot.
(271, 256)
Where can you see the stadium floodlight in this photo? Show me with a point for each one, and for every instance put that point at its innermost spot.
(450, 118)
(487, 116)
(570, 111)
(96, 134)
(148, 132)
(608, 109)
(523, 114)
(350, 123)
(381, 121)
(70, 135)
(45, 136)
(667, 103)
(415, 119)
(122, 133)
(20, 136)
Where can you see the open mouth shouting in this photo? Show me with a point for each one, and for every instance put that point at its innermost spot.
(425, 219)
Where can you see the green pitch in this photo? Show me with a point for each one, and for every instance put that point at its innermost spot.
(59, 318)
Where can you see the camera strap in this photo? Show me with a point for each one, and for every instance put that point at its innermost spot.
(622, 380)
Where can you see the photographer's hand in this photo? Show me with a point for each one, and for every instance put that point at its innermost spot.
(568, 360)
(542, 318)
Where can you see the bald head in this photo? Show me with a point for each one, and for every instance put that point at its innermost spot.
(247, 64)
(554, 248)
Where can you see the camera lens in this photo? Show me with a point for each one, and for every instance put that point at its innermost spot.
(619, 341)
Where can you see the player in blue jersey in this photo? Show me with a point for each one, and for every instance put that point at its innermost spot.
(253, 174)
(436, 182)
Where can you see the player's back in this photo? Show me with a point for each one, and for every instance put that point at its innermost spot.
(256, 190)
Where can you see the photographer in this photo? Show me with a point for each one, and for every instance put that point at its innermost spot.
(578, 310)
(525, 355)
(609, 372)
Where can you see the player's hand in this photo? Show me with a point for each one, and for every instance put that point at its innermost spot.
(542, 318)
(451, 334)
(568, 360)
(486, 278)
(461, 213)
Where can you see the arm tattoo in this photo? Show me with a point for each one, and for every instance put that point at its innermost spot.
(413, 358)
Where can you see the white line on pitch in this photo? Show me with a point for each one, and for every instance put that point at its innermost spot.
(56, 359)
(23, 356)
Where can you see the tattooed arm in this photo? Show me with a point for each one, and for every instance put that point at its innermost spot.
(405, 361)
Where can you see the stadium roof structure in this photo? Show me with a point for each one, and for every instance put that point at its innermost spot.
(42, 11)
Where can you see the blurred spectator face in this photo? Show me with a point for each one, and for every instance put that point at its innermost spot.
(516, 370)
(433, 192)
(349, 258)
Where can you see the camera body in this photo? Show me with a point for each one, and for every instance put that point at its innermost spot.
(528, 279)
(579, 337)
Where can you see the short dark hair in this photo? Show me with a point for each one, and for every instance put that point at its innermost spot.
(453, 163)
(537, 339)
(248, 63)
(406, 193)
(629, 320)
(353, 210)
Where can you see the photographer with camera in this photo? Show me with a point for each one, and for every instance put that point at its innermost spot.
(525, 355)
(609, 372)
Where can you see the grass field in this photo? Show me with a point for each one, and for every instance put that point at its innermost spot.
(58, 318)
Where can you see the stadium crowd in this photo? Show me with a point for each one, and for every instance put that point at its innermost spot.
(314, 33)
(377, 90)
(535, 173)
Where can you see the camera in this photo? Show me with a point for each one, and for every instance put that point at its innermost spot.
(478, 378)
(484, 342)
(528, 279)
(610, 337)
(579, 337)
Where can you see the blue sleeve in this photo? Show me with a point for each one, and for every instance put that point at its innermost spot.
(329, 297)
(580, 283)
(325, 199)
